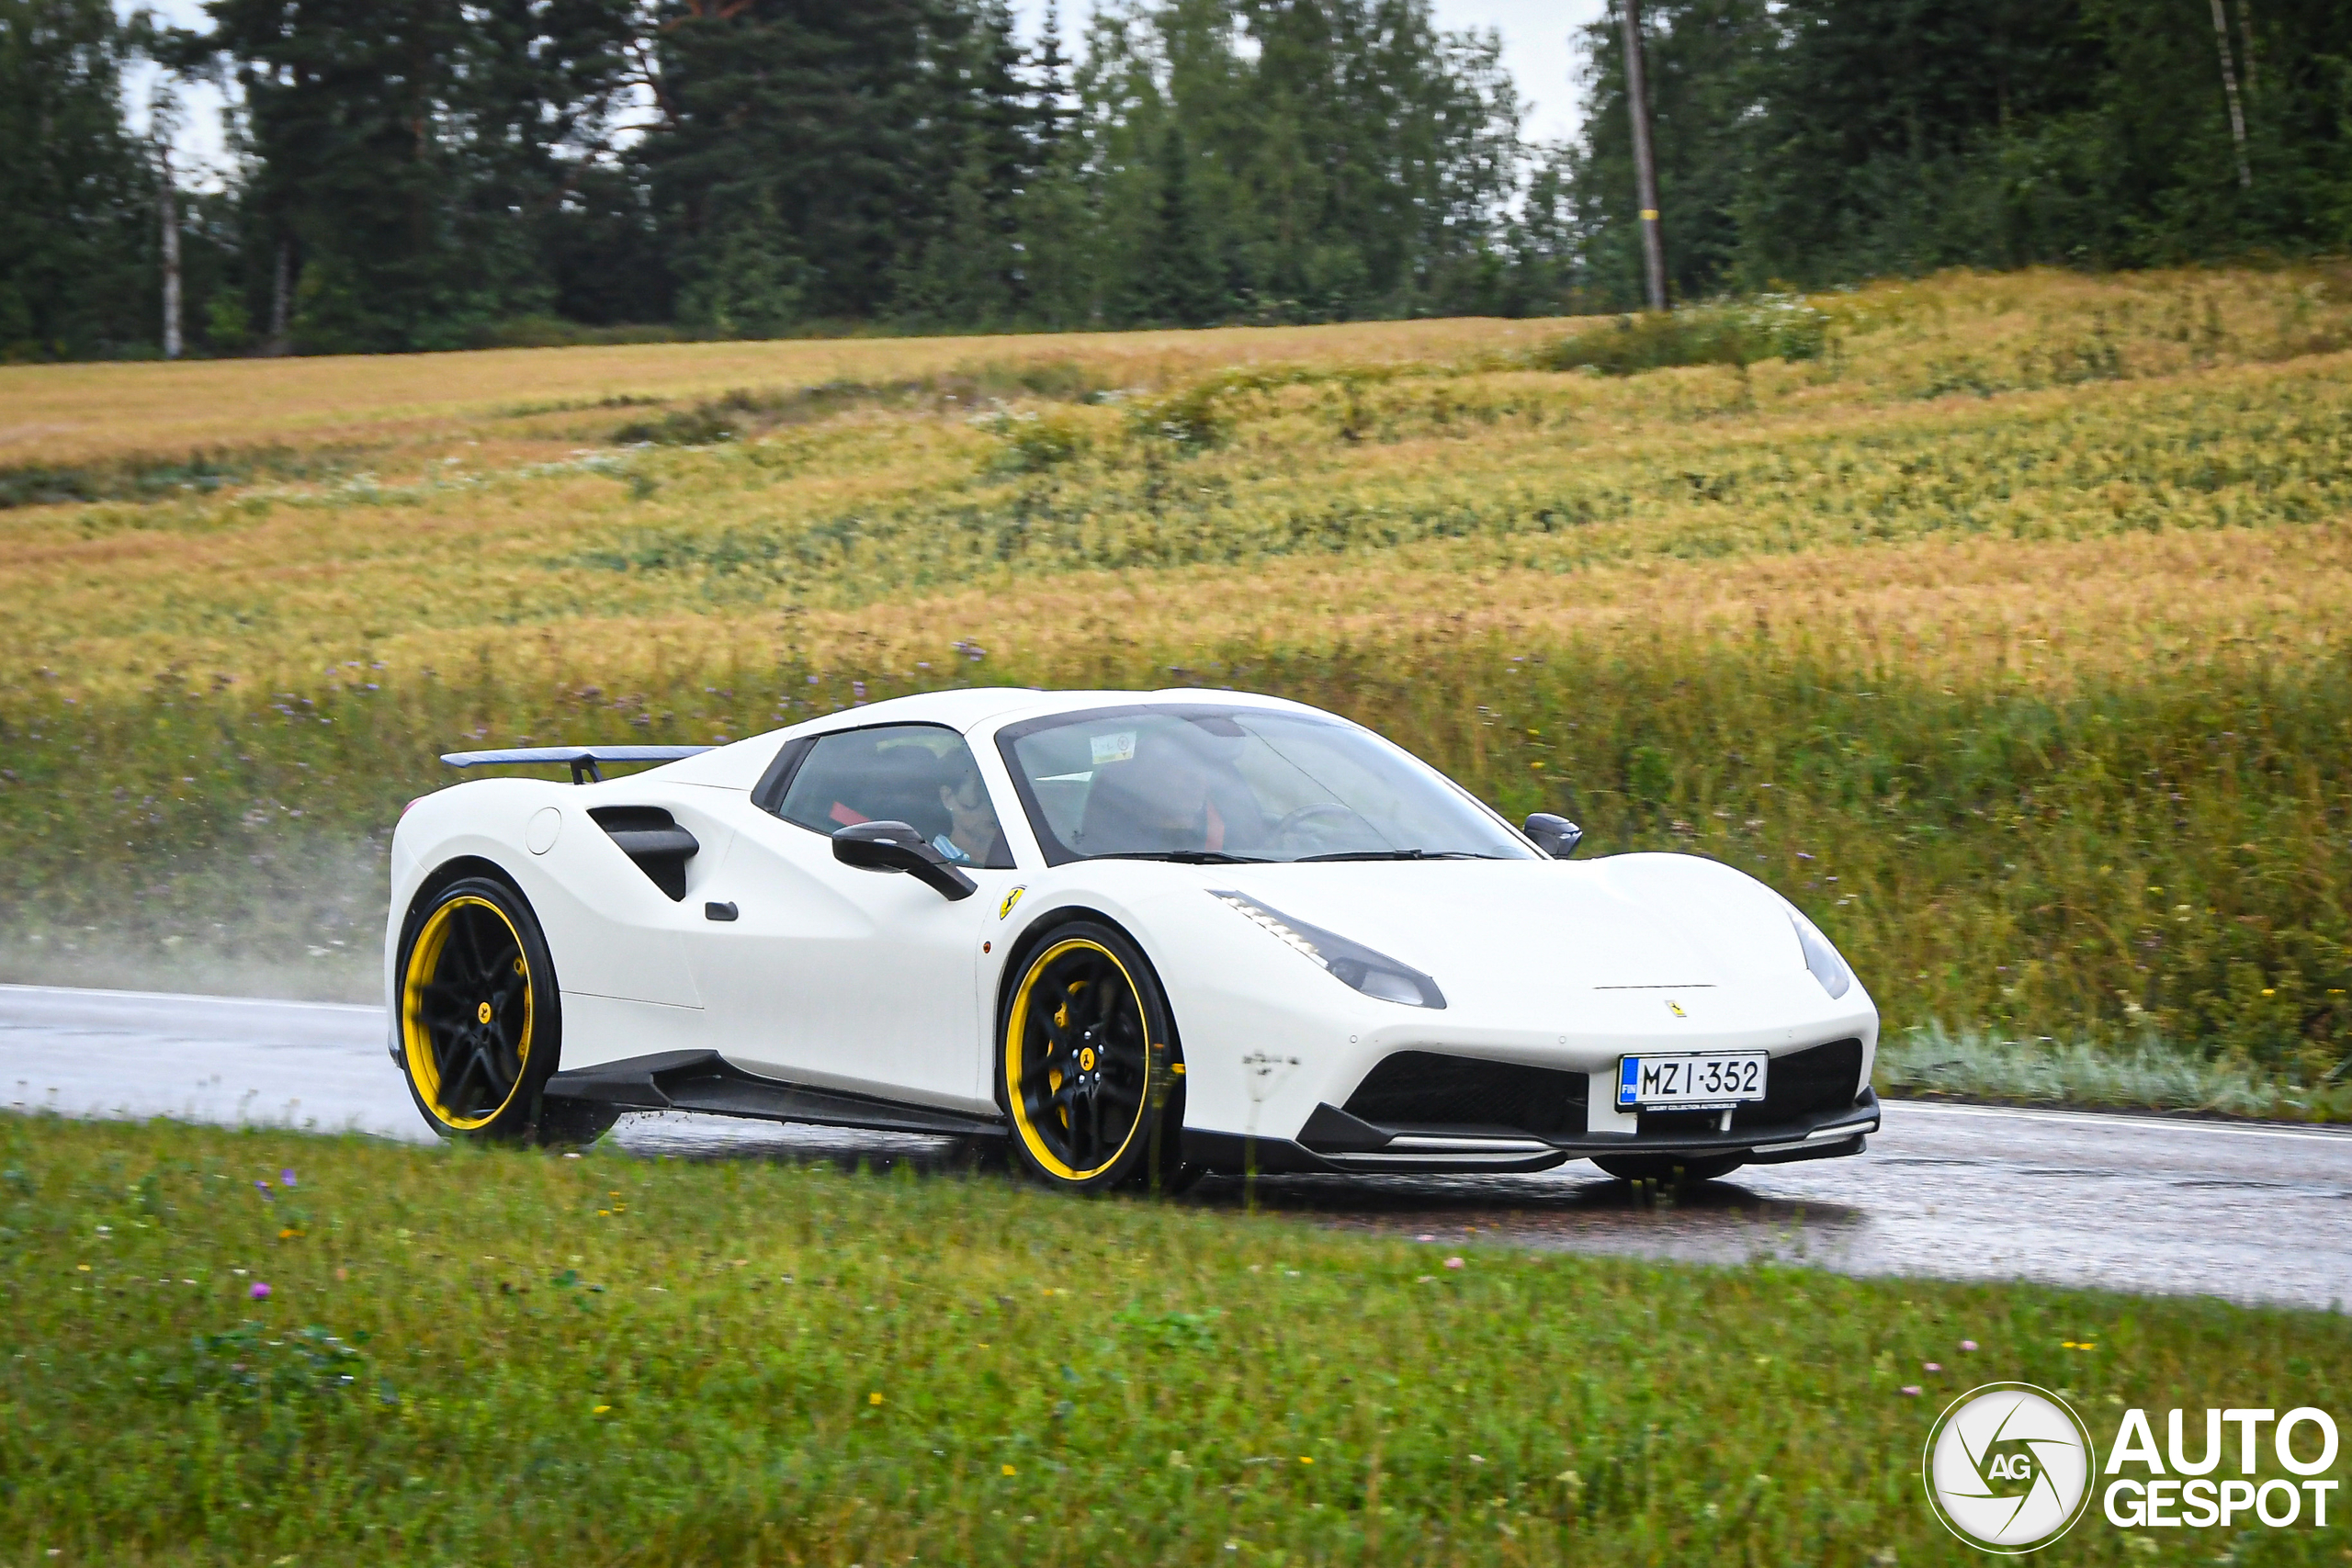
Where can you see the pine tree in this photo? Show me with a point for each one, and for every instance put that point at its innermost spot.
(1179, 283)
(75, 198)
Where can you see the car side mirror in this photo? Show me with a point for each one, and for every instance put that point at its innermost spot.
(1555, 835)
(895, 846)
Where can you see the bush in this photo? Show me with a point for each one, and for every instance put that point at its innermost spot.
(1772, 326)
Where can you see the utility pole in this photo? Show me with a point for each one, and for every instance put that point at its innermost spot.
(162, 121)
(1637, 100)
(2230, 87)
(170, 209)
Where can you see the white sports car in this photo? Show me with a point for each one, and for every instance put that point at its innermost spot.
(1138, 934)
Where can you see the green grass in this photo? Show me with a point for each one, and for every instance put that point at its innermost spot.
(508, 1356)
(2152, 1074)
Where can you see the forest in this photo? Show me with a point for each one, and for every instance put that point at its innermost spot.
(413, 175)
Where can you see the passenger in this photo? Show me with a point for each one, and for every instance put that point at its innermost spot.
(973, 834)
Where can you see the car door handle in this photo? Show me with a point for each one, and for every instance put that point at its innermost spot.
(718, 911)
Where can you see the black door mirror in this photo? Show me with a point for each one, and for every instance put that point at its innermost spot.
(895, 846)
(1555, 835)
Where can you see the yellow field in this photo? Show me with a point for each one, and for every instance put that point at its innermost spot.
(75, 413)
(2151, 466)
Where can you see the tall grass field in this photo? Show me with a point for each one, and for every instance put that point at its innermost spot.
(1998, 620)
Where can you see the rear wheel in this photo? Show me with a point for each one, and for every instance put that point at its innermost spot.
(480, 1026)
(1087, 1065)
(1669, 1170)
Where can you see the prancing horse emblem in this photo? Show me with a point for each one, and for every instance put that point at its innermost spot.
(1676, 1008)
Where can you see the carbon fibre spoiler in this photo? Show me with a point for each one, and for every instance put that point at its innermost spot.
(585, 761)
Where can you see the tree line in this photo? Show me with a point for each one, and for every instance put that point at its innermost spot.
(430, 174)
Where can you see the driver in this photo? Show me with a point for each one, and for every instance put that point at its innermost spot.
(1168, 797)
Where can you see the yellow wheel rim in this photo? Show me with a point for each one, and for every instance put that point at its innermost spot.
(1077, 1059)
(466, 1007)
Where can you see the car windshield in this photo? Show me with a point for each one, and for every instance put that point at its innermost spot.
(1217, 785)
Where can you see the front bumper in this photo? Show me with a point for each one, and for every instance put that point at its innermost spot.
(1337, 1140)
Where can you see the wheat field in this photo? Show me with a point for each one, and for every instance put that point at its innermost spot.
(2016, 597)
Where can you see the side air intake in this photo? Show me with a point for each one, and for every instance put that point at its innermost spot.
(651, 837)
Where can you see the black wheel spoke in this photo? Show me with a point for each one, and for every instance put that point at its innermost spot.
(445, 1012)
(467, 1063)
(1108, 1004)
(481, 943)
(501, 1068)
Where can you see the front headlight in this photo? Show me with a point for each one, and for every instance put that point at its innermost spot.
(1353, 963)
(1821, 958)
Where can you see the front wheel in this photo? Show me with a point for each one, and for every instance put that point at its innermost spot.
(479, 1025)
(1669, 1170)
(1087, 1064)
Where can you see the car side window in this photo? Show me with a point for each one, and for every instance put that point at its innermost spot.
(921, 774)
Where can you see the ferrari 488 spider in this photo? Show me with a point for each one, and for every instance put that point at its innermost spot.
(1136, 935)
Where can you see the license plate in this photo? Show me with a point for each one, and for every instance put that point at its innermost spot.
(1727, 1078)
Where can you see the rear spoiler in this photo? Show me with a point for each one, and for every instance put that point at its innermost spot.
(584, 761)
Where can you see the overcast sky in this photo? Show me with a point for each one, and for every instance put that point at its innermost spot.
(1534, 33)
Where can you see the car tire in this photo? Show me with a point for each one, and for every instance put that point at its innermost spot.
(566, 1124)
(1669, 1170)
(1087, 1071)
(481, 1025)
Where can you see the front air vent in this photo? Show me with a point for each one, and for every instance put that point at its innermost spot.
(1806, 1083)
(1426, 1090)
(651, 837)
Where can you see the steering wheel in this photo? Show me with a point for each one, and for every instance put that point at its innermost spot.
(1327, 812)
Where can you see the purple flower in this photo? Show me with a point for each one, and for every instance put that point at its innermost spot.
(259, 1292)
(286, 1177)
(1454, 1263)
(262, 1186)
(1911, 1391)
(1968, 1343)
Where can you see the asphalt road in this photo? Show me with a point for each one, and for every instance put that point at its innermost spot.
(2122, 1202)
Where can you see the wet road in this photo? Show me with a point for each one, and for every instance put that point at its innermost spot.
(2135, 1204)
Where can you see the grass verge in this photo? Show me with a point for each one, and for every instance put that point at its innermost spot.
(495, 1358)
(1932, 1061)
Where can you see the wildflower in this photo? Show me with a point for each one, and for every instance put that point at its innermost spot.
(286, 1177)
(1009, 1470)
(1454, 1263)
(263, 1188)
(1968, 1343)
(1910, 1390)
(1477, 1459)
(259, 1292)
(1932, 1366)
(600, 1410)
(873, 1399)
(1307, 1459)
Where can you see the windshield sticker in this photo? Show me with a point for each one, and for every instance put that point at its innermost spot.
(1117, 748)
